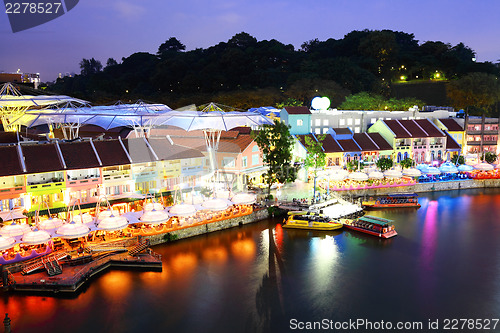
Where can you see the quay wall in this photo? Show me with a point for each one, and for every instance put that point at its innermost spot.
(255, 216)
(430, 187)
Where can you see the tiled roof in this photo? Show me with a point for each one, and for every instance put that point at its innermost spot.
(380, 141)
(397, 129)
(9, 161)
(414, 128)
(79, 155)
(349, 145)
(111, 152)
(430, 128)
(451, 124)
(331, 146)
(167, 151)
(41, 158)
(138, 150)
(451, 144)
(297, 110)
(364, 141)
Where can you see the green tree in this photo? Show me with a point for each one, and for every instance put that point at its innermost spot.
(406, 163)
(289, 102)
(384, 163)
(170, 47)
(480, 90)
(489, 157)
(457, 158)
(90, 66)
(316, 157)
(276, 144)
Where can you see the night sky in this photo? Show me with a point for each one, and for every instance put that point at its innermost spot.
(112, 28)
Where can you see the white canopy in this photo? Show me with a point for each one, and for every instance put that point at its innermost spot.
(483, 167)
(244, 198)
(154, 216)
(50, 223)
(393, 173)
(84, 218)
(465, 168)
(432, 171)
(11, 215)
(182, 210)
(112, 223)
(36, 237)
(14, 229)
(359, 176)
(6, 242)
(376, 175)
(72, 230)
(412, 172)
(215, 204)
(153, 205)
(448, 167)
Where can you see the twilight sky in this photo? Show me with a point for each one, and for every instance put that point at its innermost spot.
(118, 28)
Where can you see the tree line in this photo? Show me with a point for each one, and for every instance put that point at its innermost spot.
(244, 72)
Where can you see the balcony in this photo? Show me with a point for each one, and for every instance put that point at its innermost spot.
(44, 186)
(117, 176)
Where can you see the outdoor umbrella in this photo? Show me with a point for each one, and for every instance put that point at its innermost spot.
(36, 237)
(359, 176)
(6, 242)
(412, 172)
(244, 198)
(483, 167)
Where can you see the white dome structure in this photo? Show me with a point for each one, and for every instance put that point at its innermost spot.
(36, 237)
(244, 199)
(113, 223)
(14, 229)
(72, 230)
(6, 242)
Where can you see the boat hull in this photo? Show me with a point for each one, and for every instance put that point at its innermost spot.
(385, 206)
(385, 235)
(313, 226)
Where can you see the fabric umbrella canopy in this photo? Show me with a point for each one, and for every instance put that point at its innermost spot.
(432, 171)
(112, 223)
(422, 166)
(215, 204)
(72, 230)
(412, 172)
(359, 176)
(182, 210)
(14, 229)
(375, 175)
(153, 205)
(11, 215)
(465, 168)
(50, 223)
(392, 173)
(154, 217)
(6, 242)
(244, 198)
(483, 167)
(83, 218)
(448, 167)
(36, 237)
(107, 213)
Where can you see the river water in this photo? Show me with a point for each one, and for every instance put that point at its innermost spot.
(443, 265)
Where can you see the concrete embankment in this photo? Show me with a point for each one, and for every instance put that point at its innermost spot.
(427, 187)
(256, 215)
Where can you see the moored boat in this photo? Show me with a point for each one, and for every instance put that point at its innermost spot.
(310, 221)
(405, 200)
(372, 225)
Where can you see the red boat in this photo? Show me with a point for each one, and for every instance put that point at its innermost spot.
(372, 225)
(407, 200)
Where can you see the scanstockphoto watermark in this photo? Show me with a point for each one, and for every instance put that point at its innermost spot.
(363, 325)
(26, 14)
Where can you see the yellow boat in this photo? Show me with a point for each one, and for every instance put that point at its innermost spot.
(310, 221)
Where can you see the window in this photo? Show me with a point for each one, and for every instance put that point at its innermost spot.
(255, 148)
(325, 122)
(317, 130)
(300, 122)
(255, 159)
(357, 130)
(373, 120)
(357, 121)
(349, 121)
(244, 161)
(317, 122)
(341, 122)
(228, 162)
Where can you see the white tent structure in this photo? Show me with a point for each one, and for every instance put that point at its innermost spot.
(72, 230)
(213, 120)
(182, 210)
(140, 116)
(14, 229)
(375, 175)
(6, 242)
(483, 167)
(36, 237)
(13, 104)
(244, 199)
(393, 173)
(412, 172)
(112, 223)
(359, 176)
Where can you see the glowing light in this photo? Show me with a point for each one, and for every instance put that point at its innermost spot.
(320, 103)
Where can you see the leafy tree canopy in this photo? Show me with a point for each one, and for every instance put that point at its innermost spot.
(384, 163)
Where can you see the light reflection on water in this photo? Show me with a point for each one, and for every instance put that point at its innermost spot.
(444, 263)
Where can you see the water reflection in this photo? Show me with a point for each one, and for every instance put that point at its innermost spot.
(256, 277)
